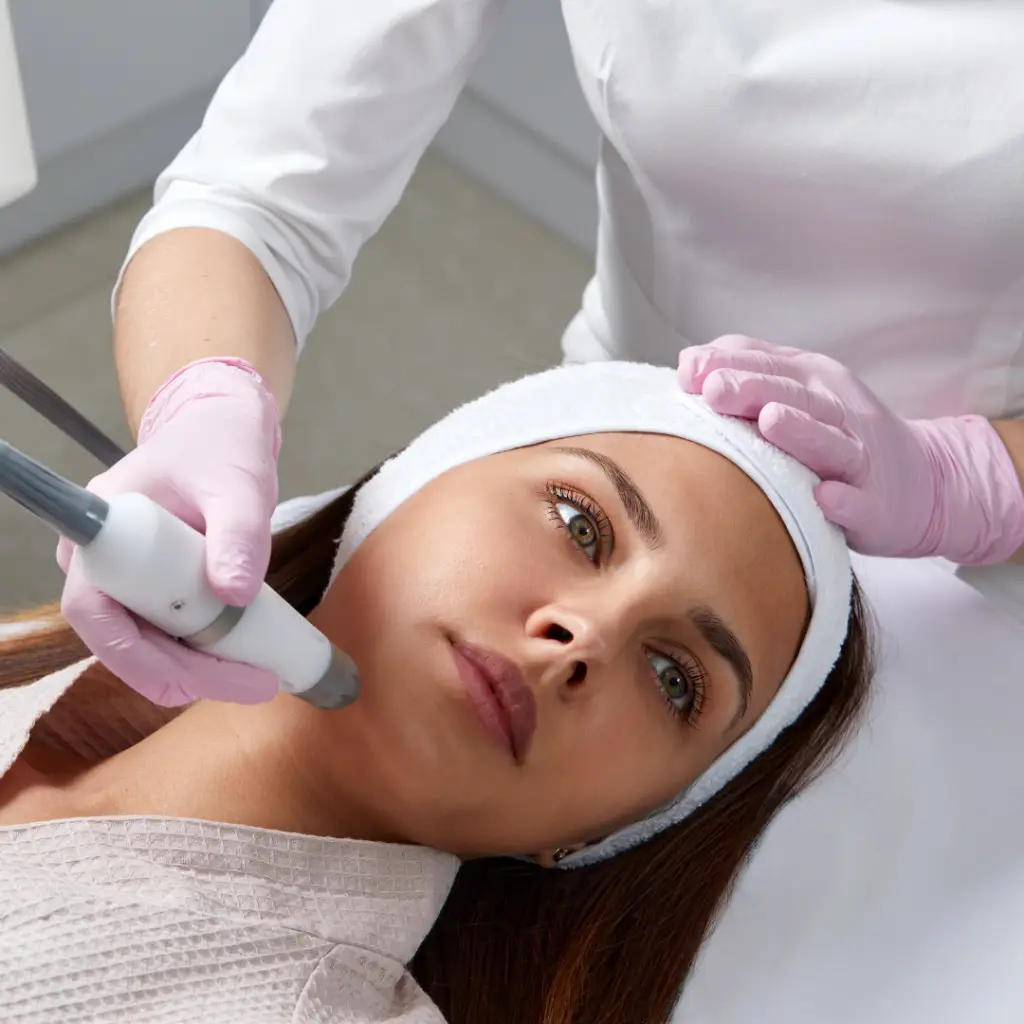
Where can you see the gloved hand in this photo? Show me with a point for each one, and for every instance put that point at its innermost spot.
(904, 488)
(207, 452)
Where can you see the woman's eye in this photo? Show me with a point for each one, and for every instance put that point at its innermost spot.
(583, 519)
(581, 529)
(683, 688)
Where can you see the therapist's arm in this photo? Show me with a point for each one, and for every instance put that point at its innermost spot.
(189, 294)
(1012, 433)
(305, 149)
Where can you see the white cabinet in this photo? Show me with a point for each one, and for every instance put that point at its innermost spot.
(113, 89)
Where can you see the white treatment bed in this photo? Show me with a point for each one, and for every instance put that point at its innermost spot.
(892, 892)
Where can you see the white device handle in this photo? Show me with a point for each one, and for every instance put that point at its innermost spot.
(154, 565)
(17, 164)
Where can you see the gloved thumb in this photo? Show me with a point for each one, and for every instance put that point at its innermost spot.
(237, 546)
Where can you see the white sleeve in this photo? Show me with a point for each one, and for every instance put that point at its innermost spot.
(313, 135)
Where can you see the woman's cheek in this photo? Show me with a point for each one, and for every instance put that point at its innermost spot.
(501, 570)
(492, 555)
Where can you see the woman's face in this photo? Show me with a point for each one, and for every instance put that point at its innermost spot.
(556, 640)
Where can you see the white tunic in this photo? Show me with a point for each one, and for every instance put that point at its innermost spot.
(842, 175)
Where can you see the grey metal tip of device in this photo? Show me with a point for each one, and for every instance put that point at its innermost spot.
(338, 687)
(73, 511)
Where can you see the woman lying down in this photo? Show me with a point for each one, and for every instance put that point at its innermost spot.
(604, 635)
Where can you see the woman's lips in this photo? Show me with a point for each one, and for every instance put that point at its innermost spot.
(499, 695)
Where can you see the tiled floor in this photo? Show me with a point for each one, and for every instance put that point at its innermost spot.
(458, 292)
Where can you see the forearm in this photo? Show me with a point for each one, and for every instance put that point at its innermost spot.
(1012, 434)
(189, 294)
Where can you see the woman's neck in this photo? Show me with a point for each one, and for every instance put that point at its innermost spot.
(262, 766)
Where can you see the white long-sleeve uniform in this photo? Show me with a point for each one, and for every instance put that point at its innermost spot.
(843, 175)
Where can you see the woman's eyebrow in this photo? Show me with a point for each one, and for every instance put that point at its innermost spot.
(640, 513)
(721, 639)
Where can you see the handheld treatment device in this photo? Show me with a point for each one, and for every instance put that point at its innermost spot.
(153, 564)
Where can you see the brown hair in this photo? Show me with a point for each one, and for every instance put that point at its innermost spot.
(608, 944)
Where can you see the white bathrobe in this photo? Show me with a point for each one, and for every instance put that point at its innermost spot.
(149, 920)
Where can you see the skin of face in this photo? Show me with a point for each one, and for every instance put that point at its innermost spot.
(619, 626)
(531, 553)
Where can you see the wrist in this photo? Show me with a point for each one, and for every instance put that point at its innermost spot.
(978, 513)
(212, 377)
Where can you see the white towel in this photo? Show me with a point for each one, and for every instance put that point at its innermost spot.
(630, 397)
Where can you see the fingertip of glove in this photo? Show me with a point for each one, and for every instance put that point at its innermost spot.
(774, 417)
(687, 371)
(171, 694)
(719, 388)
(233, 579)
(838, 501)
(236, 683)
(736, 342)
(63, 554)
(254, 686)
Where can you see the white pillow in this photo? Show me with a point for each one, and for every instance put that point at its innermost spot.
(892, 892)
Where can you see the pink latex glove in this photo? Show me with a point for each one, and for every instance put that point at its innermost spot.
(207, 452)
(904, 488)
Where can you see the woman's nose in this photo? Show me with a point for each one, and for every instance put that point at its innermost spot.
(573, 644)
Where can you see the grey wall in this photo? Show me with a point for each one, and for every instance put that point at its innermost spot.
(115, 87)
(523, 127)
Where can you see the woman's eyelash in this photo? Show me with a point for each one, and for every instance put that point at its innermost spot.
(588, 509)
(696, 677)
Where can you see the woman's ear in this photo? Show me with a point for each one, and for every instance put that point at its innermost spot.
(552, 858)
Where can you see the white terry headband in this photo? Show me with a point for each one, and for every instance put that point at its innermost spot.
(611, 397)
